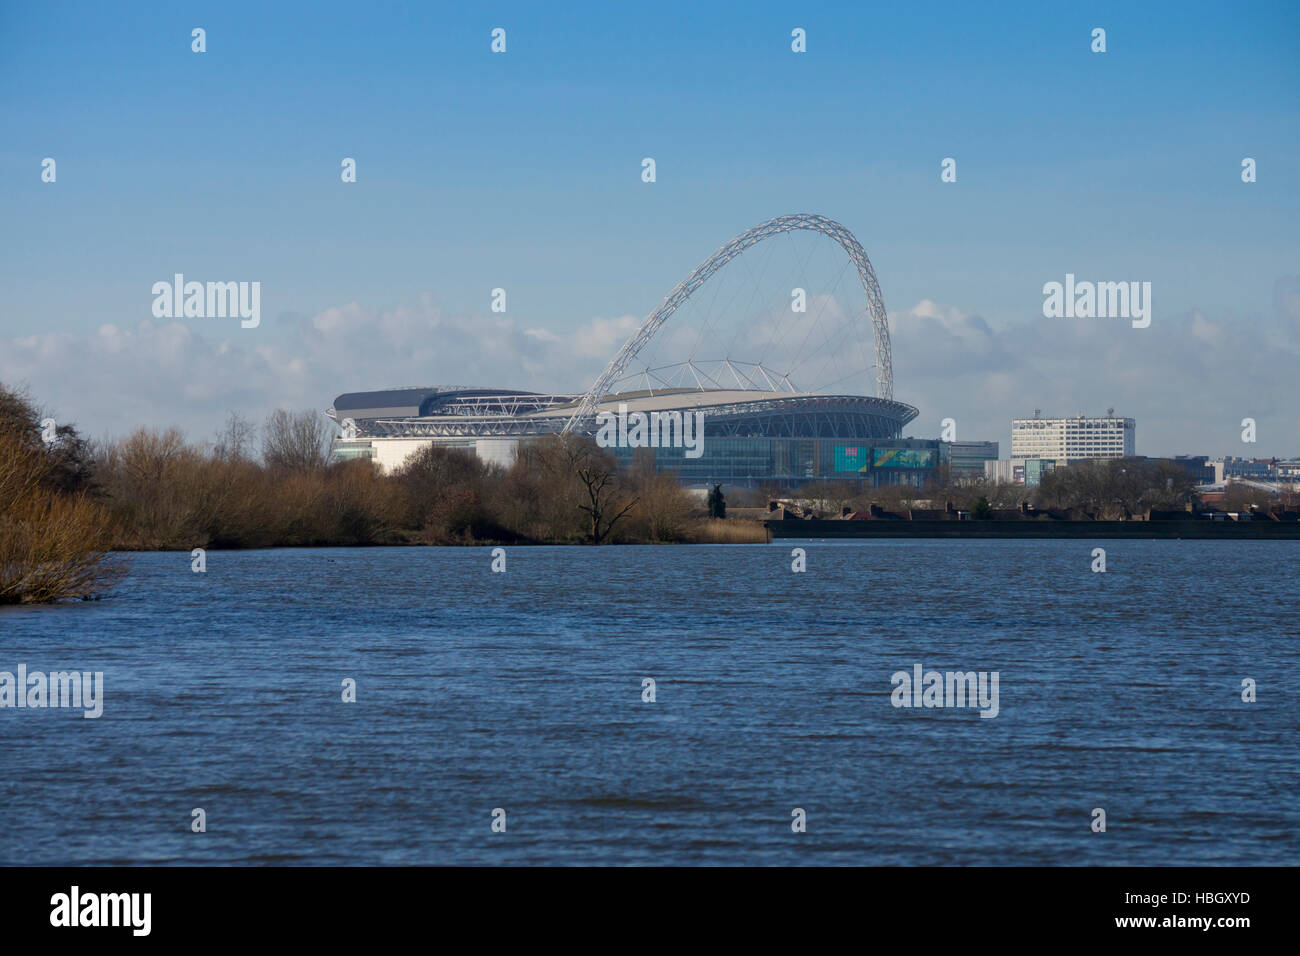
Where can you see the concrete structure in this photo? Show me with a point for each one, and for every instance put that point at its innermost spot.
(1251, 468)
(966, 459)
(1073, 439)
(1018, 471)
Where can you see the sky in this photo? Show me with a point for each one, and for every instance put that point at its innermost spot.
(522, 170)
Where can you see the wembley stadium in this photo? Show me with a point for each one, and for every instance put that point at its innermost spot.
(761, 422)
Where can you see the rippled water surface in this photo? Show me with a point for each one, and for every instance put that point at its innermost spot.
(523, 691)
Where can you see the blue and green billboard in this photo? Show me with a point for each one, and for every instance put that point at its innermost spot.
(902, 457)
(852, 458)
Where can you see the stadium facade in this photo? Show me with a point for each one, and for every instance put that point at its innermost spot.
(750, 436)
(762, 430)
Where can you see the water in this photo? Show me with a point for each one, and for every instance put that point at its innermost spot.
(523, 691)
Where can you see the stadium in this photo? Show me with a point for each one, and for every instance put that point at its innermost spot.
(767, 415)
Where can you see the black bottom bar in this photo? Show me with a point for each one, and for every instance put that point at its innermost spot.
(650, 907)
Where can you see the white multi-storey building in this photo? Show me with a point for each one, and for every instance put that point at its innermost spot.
(1073, 439)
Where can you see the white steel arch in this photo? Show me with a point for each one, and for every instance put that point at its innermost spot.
(805, 221)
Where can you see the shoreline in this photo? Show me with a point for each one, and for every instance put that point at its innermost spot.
(1199, 530)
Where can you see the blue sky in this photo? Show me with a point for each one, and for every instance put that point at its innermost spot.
(522, 171)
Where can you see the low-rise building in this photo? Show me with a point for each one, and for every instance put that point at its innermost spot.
(965, 459)
(1259, 469)
(1018, 471)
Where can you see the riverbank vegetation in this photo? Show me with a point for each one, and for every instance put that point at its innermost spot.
(54, 536)
(66, 503)
(276, 485)
(163, 493)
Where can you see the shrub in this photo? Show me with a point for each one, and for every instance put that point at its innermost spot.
(53, 535)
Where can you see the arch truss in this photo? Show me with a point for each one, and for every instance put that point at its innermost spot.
(773, 227)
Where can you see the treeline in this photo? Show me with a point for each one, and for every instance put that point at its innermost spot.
(276, 485)
(163, 493)
(1106, 489)
(1117, 488)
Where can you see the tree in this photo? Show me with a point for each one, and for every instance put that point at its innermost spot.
(296, 442)
(605, 503)
(1238, 496)
(67, 458)
(541, 496)
(52, 534)
(19, 417)
(717, 503)
(446, 492)
(1114, 488)
(664, 509)
(235, 439)
(981, 511)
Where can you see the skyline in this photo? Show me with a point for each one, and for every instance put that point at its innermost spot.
(522, 170)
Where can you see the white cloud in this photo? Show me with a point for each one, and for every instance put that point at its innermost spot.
(191, 374)
(1188, 380)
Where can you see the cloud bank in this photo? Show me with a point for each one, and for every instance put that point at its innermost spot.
(1189, 379)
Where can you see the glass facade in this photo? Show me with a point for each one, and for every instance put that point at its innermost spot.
(345, 450)
(747, 461)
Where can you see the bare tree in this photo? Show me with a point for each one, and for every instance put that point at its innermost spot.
(605, 504)
(297, 442)
(1238, 496)
(830, 498)
(235, 439)
(664, 509)
(1114, 488)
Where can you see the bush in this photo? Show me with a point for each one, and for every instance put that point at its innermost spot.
(53, 536)
(53, 547)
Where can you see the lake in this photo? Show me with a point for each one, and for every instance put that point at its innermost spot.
(523, 691)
